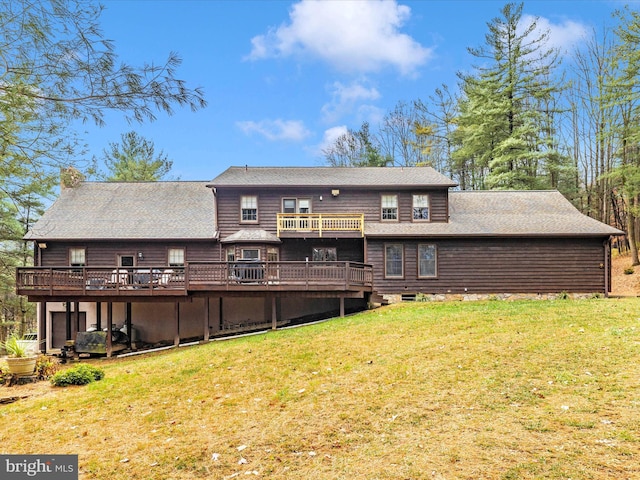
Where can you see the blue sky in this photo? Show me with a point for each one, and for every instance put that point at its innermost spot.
(284, 78)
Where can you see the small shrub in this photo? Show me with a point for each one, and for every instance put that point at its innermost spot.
(46, 367)
(563, 296)
(628, 271)
(79, 375)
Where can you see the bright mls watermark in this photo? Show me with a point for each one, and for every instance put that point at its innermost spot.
(39, 467)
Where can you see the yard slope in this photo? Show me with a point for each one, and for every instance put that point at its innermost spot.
(456, 390)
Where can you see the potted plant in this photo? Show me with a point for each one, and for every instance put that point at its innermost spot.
(20, 360)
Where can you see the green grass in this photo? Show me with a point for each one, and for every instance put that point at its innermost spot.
(457, 390)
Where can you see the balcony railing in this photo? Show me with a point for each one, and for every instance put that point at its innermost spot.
(321, 222)
(202, 276)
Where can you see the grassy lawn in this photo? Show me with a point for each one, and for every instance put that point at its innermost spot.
(459, 390)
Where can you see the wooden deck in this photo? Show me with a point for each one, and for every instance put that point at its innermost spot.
(348, 278)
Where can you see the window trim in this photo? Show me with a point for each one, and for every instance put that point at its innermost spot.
(123, 255)
(413, 207)
(84, 256)
(257, 249)
(184, 256)
(297, 205)
(242, 220)
(382, 207)
(435, 260)
(402, 260)
(273, 254)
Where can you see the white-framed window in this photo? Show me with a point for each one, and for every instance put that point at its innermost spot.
(249, 208)
(421, 208)
(231, 254)
(389, 207)
(250, 254)
(427, 260)
(394, 260)
(176, 257)
(324, 254)
(296, 205)
(77, 257)
(127, 260)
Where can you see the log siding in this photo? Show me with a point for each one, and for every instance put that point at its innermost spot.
(497, 265)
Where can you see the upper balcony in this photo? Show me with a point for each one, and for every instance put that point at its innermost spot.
(319, 224)
(224, 278)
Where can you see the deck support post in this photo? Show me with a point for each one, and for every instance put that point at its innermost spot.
(206, 318)
(68, 321)
(109, 328)
(341, 307)
(99, 316)
(127, 323)
(76, 307)
(274, 313)
(176, 338)
(42, 328)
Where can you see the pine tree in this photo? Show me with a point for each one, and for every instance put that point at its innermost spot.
(506, 125)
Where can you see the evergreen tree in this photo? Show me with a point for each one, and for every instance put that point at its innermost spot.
(134, 160)
(506, 129)
(624, 93)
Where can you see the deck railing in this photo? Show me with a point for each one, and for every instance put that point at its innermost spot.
(320, 222)
(199, 276)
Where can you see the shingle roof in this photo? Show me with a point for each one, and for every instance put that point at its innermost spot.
(251, 235)
(502, 213)
(401, 177)
(154, 210)
(185, 210)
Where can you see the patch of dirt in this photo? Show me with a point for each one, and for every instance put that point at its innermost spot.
(626, 285)
(18, 392)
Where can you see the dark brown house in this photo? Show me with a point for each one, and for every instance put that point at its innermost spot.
(263, 247)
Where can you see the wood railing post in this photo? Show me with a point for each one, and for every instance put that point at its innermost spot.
(346, 275)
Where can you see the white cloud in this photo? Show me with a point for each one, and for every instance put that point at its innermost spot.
(351, 35)
(563, 36)
(344, 99)
(328, 139)
(290, 130)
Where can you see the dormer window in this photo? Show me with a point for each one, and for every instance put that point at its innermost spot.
(389, 206)
(249, 208)
(421, 208)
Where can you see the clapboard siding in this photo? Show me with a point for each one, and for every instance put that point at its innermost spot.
(349, 200)
(105, 253)
(498, 266)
